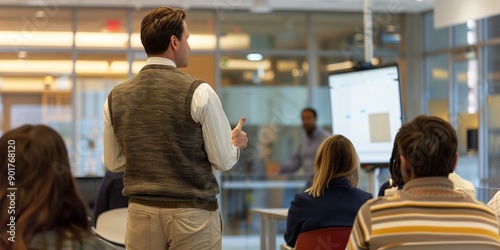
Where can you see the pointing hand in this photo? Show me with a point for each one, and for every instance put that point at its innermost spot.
(239, 136)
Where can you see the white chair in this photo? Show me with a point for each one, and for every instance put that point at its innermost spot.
(284, 246)
(111, 227)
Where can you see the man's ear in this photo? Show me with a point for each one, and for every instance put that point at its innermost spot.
(406, 168)
(173, 42)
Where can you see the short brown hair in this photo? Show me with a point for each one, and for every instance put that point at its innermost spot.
(336, 159)
(158, 26)
(429, 144)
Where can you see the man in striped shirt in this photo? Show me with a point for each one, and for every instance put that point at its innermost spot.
(427, 213)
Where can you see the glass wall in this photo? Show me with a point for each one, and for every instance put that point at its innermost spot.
(461, 84)
(253, 32)
(35, 69)
(437, 75)
(493, 100)
(264, 77)
(434, 39)
(490, 27)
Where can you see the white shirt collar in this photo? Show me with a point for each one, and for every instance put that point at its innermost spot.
(160, 60)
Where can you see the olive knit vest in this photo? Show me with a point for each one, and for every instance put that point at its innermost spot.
(166, 162)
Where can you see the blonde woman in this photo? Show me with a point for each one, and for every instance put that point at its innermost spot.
(333, 200)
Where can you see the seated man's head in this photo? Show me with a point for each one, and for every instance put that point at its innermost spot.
(427, 147)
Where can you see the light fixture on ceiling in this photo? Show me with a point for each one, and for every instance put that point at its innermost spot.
(297, 72)
(40, 14)
(339, 66)
(48, 81)
(255, 57)
(22, 54)
(261, 7)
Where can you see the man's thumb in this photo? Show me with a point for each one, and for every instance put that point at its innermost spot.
(241, 123)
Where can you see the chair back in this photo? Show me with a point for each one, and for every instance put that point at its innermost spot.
(325, 238)
(112, 225)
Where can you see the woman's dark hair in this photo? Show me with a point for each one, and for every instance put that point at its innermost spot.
(46, 198)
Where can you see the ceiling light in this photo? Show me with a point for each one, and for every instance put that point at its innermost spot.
(22, 54)
(261, 6)
(40, 14)
(37, 39)
(241, 64)
(471, 24)
(339, 66)
(47, 81)
(254, 57)
(297, 72)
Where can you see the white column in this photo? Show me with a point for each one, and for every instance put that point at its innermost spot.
(367, 20)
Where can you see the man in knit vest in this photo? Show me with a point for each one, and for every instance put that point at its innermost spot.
(167, 130)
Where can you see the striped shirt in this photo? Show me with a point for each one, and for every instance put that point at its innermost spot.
(427, 211)
(206, 109)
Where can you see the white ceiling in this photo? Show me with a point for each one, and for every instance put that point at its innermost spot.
(386, 6)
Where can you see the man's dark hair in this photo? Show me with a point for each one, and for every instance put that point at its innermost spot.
(429, 143)
(310, 110)
(159, 26)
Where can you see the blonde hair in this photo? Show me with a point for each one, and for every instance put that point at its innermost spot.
(336, 159)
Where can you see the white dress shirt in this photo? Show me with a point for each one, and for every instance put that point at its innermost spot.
(462, 185)
(206, 109)
(494, 203)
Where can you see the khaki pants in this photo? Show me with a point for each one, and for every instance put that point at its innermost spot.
(156, 228)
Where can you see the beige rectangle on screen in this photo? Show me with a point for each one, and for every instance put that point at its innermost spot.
(380, 128)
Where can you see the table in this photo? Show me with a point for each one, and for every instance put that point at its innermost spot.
(245, 185)
(268, 219)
